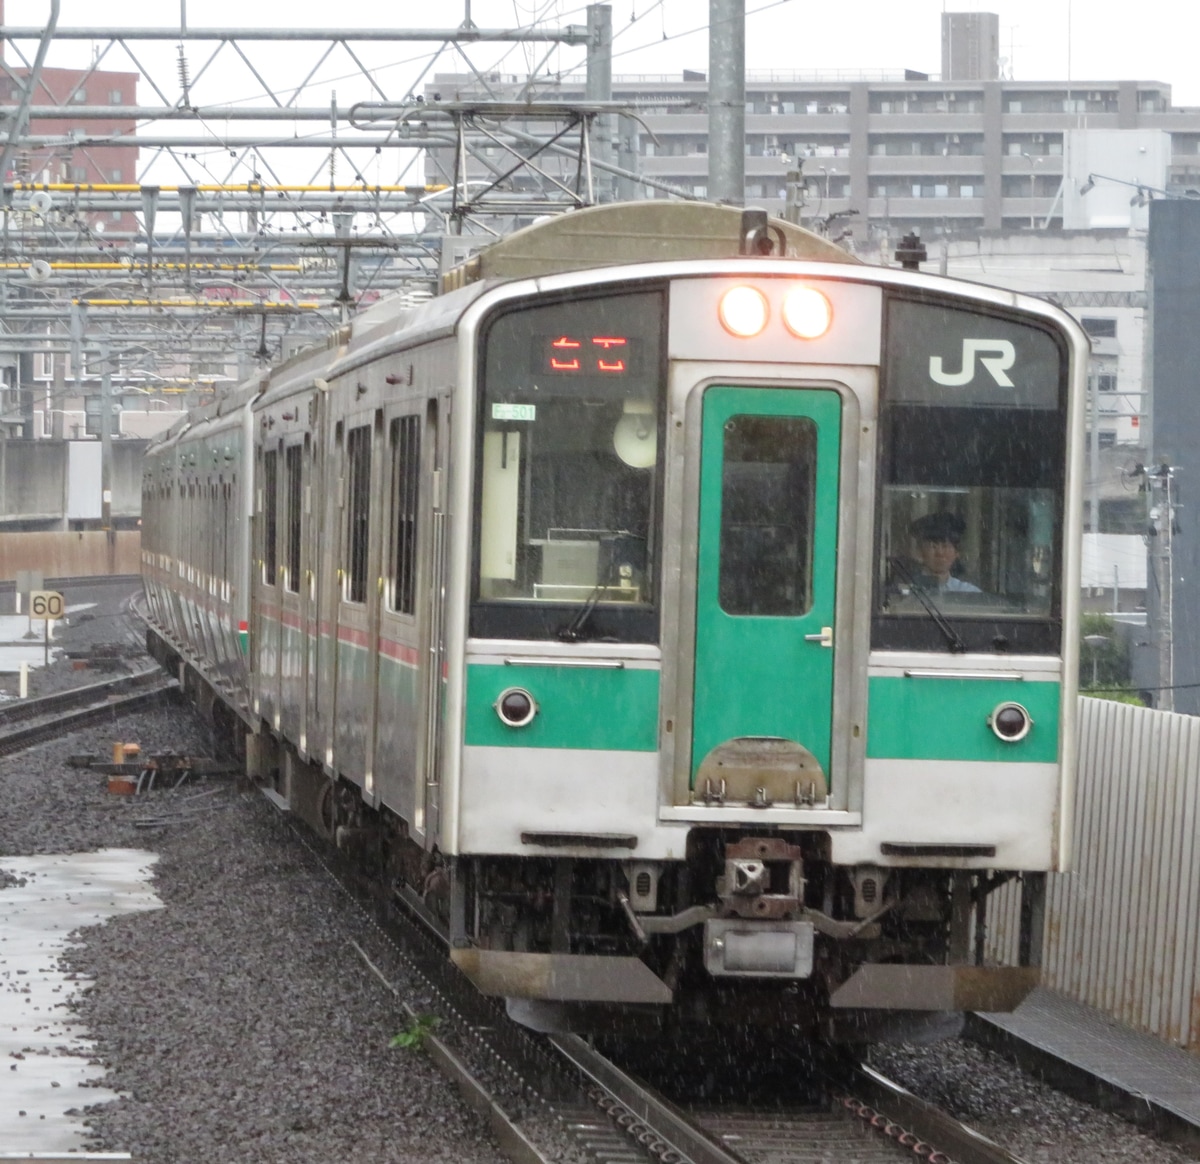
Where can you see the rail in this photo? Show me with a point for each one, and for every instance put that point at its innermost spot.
(53, 714)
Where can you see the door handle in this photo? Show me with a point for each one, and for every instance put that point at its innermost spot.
(824, 639)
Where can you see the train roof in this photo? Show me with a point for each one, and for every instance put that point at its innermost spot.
(613, 235)
(630, 232)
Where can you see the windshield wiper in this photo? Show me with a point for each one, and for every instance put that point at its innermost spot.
(939, 619)
(572, 631)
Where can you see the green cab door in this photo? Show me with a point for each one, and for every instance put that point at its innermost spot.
(767, 557)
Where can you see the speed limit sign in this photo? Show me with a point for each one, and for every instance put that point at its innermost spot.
(46, 604)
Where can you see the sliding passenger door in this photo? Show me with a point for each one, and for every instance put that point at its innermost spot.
(433, 604)
(398, 699)
(358, 595)
(311, 557)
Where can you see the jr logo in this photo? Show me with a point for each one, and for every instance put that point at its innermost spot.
(1002, 355)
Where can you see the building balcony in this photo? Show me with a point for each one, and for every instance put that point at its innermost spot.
(693, 123)
(1018, 165)
(798, 125)
(924, 165)
(1053, 122)
(932, 208)
(679, 168)
(1035, 208)
(925, 123)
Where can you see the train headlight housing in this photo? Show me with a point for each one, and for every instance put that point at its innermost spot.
(1010, 722)
(807, 313)
(743, 311)
(515, 707)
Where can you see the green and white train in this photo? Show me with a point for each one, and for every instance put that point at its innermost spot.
(591, 598)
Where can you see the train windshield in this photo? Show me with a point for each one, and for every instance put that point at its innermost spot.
(971, 482)
(568, 470)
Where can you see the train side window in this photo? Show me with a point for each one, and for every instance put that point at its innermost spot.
(405, 439)
(270, 516)
(292, 467)
(767, 486)
(226, 490)
(358, 511)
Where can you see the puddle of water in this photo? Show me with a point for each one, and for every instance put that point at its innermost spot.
(43, 1051)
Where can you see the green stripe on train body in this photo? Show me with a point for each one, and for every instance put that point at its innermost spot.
(947, 719)
(612, 709)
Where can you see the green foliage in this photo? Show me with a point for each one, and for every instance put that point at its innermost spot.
(413, 1036)
(1117, 694)
(1095, 623)
(1104, 666)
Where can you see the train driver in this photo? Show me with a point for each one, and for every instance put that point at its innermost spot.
(936, 536)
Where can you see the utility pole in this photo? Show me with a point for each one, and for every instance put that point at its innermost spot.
(1094, 455)
(794, 202)
(1162, 532)
(106, 454)
(598, 87)
(727, 101)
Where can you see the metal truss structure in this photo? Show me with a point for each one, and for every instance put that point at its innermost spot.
(250, 217)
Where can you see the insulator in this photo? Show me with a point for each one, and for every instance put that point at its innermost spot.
(184, 82)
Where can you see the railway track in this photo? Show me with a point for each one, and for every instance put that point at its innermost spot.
(33, 721)
(865, 1119)
(524, 1083)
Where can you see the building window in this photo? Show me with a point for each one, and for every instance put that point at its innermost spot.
(1100, 328)
(115, 97)
(1106, 438)
(79, 97)
(79, 174)
(114, 176)
(1106, 382)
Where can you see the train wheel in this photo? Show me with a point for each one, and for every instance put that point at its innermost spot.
(327, 809)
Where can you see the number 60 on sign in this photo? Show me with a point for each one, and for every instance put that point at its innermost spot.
(46, 604)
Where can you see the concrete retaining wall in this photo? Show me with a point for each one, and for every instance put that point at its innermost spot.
(69, 554)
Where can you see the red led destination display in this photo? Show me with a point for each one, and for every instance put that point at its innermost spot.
(584, 355)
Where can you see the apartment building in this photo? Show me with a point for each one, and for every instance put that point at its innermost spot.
(883, 154)
(74, 90)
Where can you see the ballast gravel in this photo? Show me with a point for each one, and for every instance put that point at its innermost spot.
(238, 1022)
(1041, 1125)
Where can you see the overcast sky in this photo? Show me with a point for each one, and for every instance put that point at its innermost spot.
(1149, 40)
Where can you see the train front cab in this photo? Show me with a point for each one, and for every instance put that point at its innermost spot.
(718, 732)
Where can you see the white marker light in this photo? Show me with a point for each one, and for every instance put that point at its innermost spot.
(744, 311)
(807, 312)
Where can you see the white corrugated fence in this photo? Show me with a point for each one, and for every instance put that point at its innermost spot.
(1123, 929)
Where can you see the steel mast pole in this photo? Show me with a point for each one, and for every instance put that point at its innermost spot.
(727, 101)
(599, 88)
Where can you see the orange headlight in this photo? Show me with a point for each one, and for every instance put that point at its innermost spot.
(744, 311)
(807, 313)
